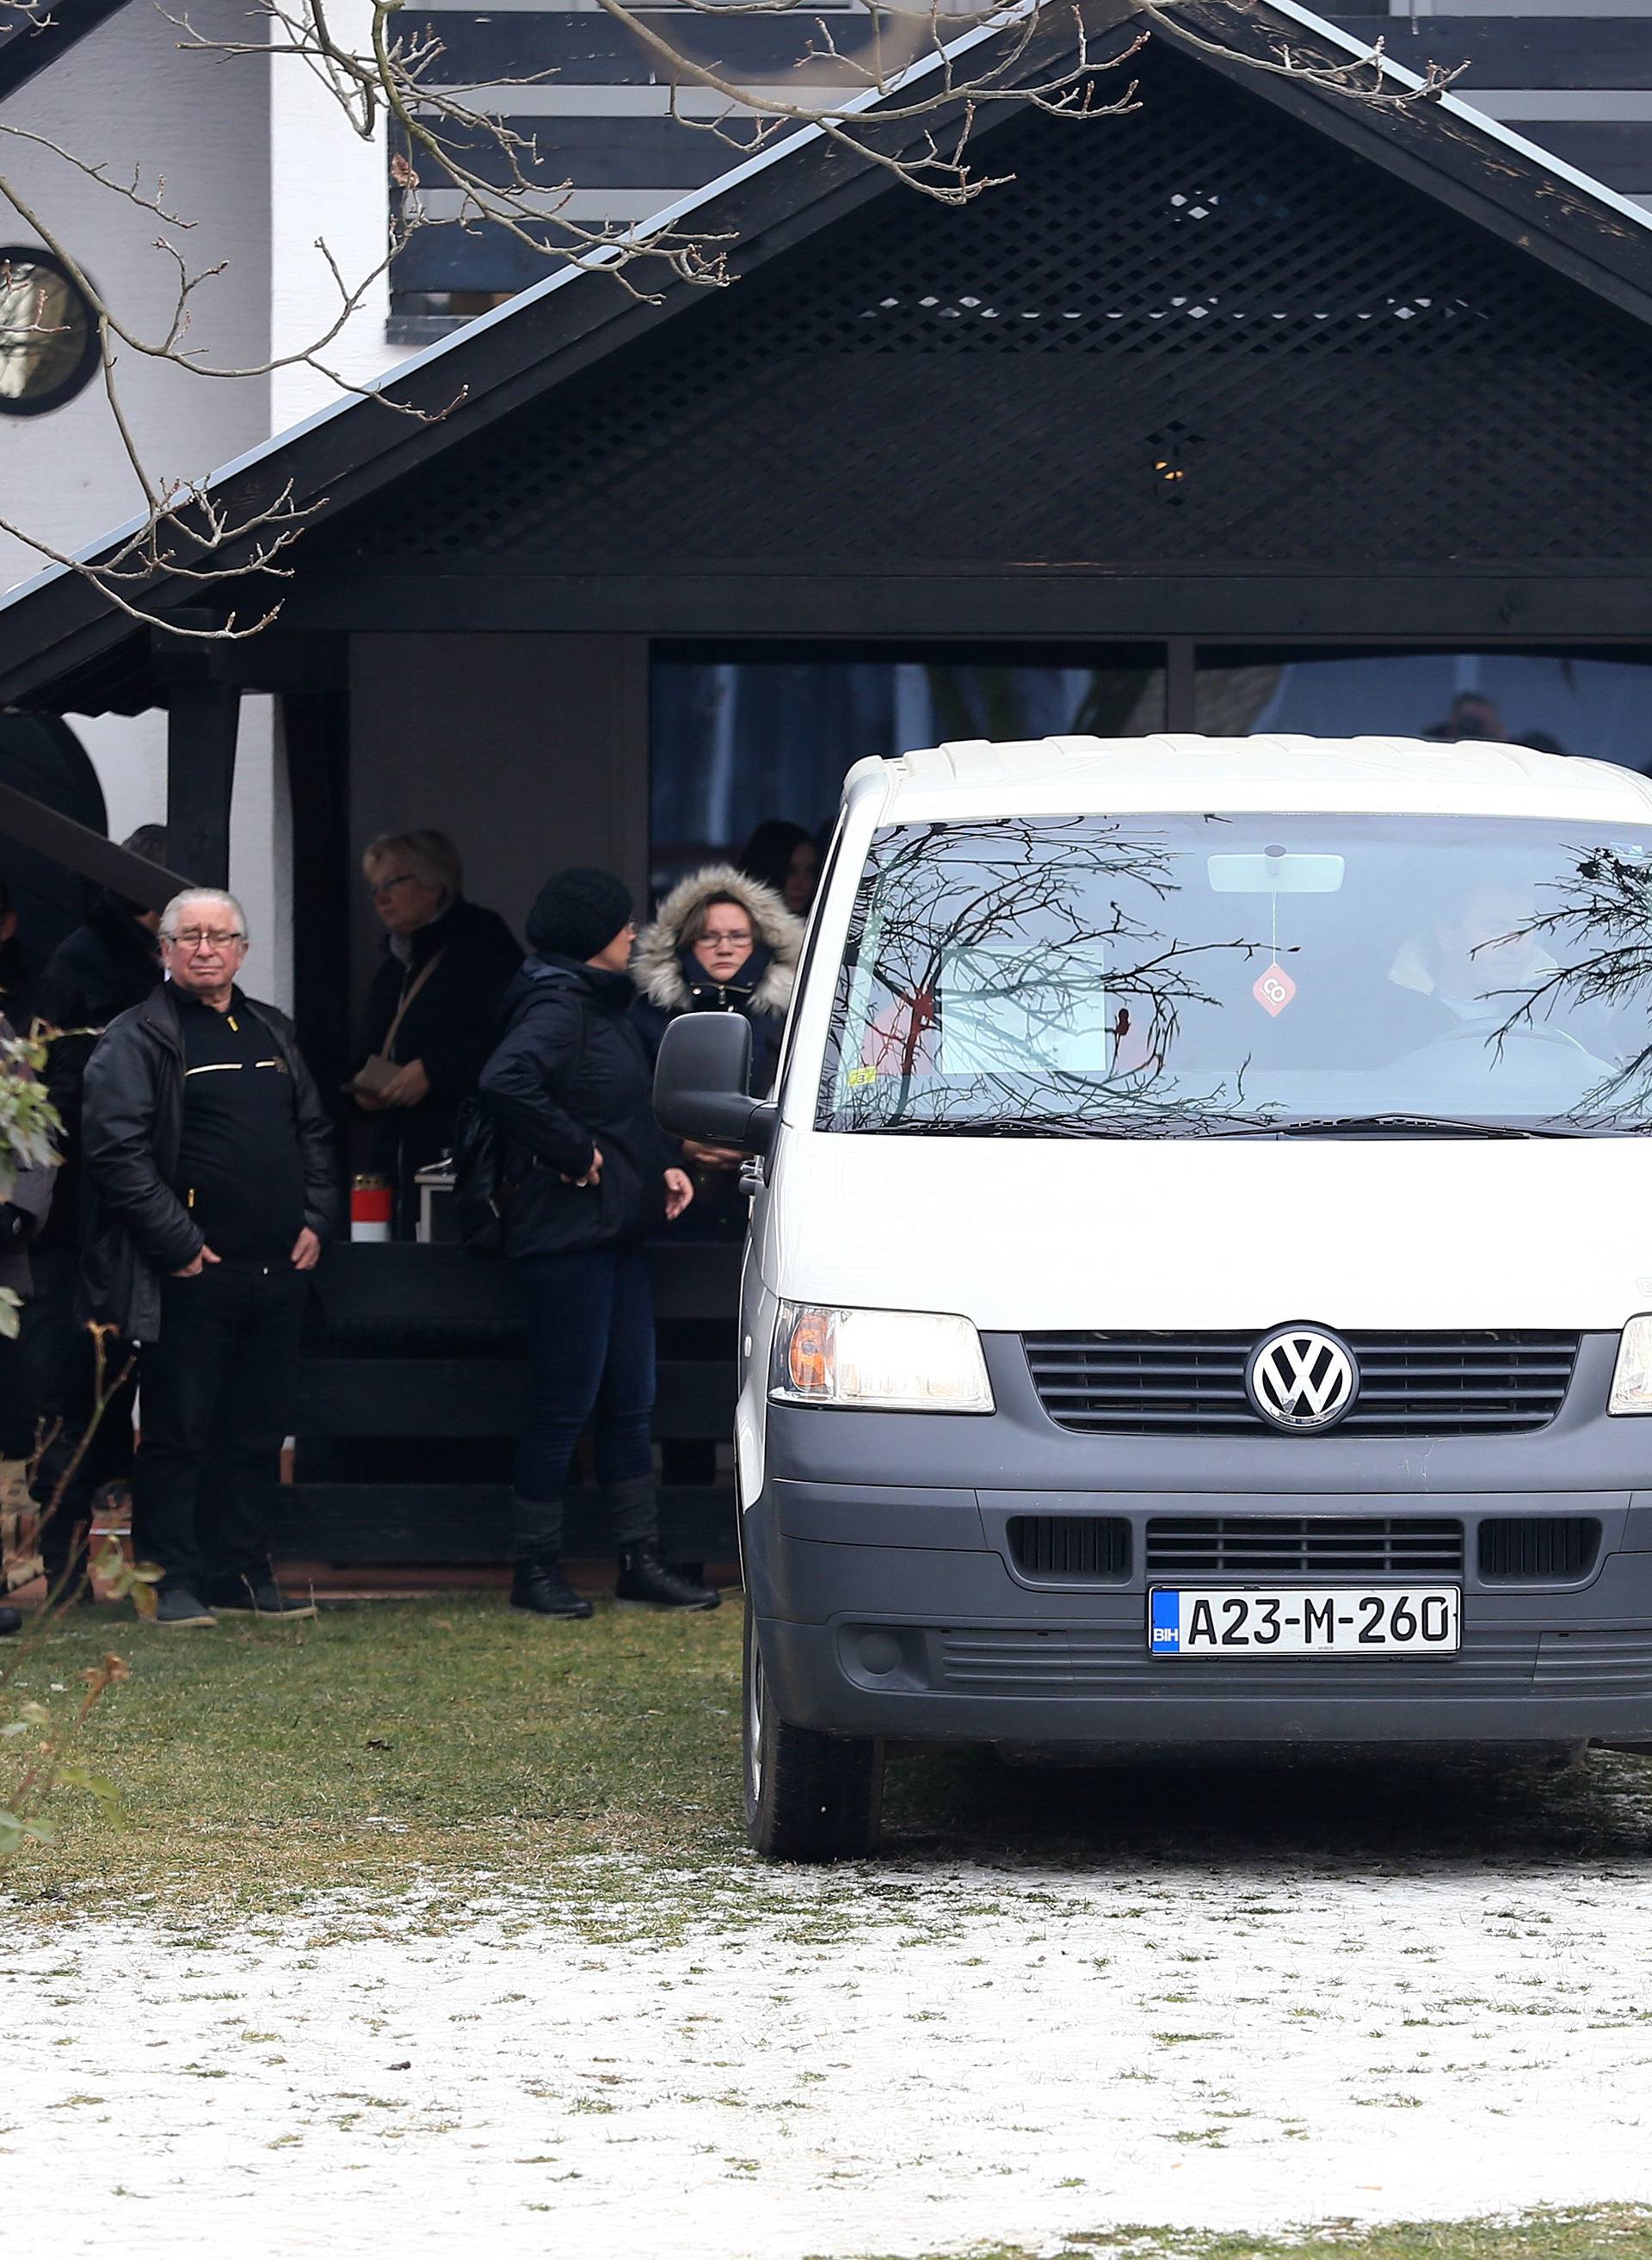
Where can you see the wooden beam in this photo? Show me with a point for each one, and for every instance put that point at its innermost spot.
(897, 600)
(203, 718)
(315, 738)
(32, 824)
(1181, 656)
(403, 1397)
(471, 1522)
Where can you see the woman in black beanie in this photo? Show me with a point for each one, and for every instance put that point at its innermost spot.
(570, 1086)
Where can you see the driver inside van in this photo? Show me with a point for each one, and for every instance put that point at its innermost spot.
(1484, 960)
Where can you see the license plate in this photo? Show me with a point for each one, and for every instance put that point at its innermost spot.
(1332, 1620)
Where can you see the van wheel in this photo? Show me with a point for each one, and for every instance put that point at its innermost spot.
(809, 1796)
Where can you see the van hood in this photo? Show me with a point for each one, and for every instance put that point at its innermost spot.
(1028, 1233)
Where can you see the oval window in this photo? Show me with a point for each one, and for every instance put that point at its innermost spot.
(48, 333)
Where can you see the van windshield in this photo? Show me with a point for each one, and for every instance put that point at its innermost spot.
(1194, 974)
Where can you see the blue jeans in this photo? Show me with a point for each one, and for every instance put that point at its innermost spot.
(590, 1348)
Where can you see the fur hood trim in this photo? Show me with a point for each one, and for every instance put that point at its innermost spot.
(654, 967)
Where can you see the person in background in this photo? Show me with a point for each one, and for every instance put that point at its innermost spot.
(722, 943)
(211, 1155)
(107, 965)
(20, 971)
(570, 1088)
(432, 1009)
(111, 961)
(1474, 719)
(21, 1213)
(783, 856)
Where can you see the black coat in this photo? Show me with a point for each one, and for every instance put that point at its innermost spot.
(571, 1071)
(102, 969)
(450, 1026)
(131, 1129)
(105, 966)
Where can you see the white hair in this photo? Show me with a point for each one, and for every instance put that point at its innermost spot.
(174, 909)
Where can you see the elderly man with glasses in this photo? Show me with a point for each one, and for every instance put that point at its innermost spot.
(210, 1156)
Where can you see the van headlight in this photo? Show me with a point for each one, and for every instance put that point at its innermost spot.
(881, 1360)
(1632, 1382)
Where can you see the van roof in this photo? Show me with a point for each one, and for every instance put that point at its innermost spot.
(972, 778)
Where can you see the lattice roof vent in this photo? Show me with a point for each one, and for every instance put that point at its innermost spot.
(1201, 331)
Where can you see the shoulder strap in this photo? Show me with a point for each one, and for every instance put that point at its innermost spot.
(388, 1047)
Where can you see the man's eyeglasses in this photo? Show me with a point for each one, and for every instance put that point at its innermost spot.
(194, 937)
(377, 887)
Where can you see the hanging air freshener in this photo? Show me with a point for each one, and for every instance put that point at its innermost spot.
(1273, 990)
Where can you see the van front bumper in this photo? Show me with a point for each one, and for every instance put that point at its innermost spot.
(897, 1611)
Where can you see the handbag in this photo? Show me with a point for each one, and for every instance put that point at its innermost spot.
(379, 1068)
(484, 1187)
(485, 1179)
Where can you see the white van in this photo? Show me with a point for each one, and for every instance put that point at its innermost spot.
(1199, 1288)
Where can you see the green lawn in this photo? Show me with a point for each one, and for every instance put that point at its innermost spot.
(451, 1734)
(383, 1738)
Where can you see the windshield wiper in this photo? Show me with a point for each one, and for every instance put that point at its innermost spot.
(1109, 1125)
(1211, 1125)
(1438, 1126)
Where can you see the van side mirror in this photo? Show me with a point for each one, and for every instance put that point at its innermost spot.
(700, 1084)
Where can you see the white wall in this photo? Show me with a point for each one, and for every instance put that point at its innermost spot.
(326, 185)
(258, 156)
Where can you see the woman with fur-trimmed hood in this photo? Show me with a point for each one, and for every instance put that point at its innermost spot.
(721, 943)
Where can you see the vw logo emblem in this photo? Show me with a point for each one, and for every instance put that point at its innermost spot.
(1302, 1377)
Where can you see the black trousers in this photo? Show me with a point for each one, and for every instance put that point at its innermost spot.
(218, 1400)
(60, 1355)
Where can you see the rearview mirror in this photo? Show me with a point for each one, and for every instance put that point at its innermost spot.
(699, 1083)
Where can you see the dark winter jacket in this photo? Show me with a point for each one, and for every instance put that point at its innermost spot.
(105, 966)
(102, 969)
(671, 981)
(572, 1071)
(131, 1128)
(450, 1026)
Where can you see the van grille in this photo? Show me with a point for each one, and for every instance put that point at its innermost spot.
(1302, 1546)
(1078, 1545)
(1538, 1546)
(1114, 1660)
(1434, 1384)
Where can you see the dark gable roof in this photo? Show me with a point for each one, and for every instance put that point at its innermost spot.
(64, 645)
(28, 45)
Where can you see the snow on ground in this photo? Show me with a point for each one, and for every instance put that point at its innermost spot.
(905, 2059)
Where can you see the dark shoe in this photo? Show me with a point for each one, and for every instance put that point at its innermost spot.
(645, 1583)
(11, 1621)
(176, 1607)
(538, 1585)
(258, 1596)
(692, 1573)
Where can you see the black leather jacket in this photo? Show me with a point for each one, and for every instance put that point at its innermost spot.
(132, 1126)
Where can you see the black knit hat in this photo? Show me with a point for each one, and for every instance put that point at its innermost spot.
(577, 913)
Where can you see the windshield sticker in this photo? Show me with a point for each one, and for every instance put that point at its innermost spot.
(1273, 990)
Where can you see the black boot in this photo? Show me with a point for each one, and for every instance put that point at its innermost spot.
(538, 1584)
(11, 1621)
(645, 1582)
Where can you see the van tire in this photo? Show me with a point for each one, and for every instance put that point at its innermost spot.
(809, 1797)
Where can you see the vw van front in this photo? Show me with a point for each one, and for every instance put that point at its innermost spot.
(1199, 1290)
